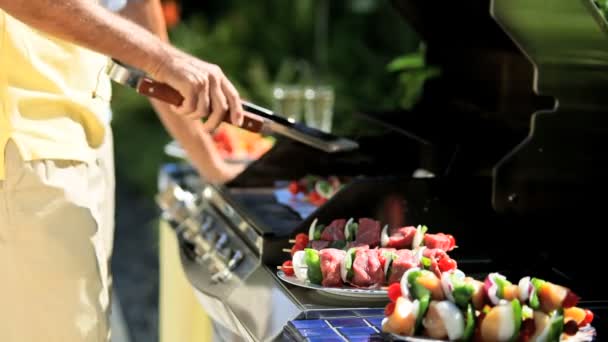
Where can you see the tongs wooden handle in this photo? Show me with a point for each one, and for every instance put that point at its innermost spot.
(168, 94)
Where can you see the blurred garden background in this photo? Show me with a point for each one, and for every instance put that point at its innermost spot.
(362, 48)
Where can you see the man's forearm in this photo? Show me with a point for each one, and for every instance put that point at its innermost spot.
(197, 143)
(88, 24)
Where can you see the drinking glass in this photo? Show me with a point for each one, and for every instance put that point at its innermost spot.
(288, 101)
(319, 107)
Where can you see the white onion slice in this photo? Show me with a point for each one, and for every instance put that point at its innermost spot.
(405, 291)
(300, 269)
(524, 289)
(506, 326)
(543, 336)
(407, 308)
(493, 289)
(447, 286)
(387, 265)
(311, 230)
(418, 237)
(452, 318)
(343, 272)
(416, 308)
(384, 236)
(346, 230)
(492, 294)
(418, 254)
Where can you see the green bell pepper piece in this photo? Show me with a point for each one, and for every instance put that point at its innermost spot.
(352, 230)
(469, 324)
(501, 284)
(313, 261)
(557, 326)
(421, 293)
(425, 301)
(534, 300)
(318, 231)
(462, 294)
(426, 262)
(349, 262)
(517, 317)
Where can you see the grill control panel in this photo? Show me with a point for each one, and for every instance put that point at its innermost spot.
(216, 252)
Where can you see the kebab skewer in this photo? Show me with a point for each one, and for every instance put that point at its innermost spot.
(343, 234)
(363, 267)
(457, 307)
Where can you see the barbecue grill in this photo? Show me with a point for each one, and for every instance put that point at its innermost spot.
(512, 131)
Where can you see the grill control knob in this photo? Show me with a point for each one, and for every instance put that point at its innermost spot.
(235, 260)
(207, 224)
(211, 236)
(221, 241)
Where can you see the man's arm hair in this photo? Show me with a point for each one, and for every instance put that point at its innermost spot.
(87, 24)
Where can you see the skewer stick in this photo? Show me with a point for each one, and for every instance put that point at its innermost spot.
(292, 241)
(286, 250)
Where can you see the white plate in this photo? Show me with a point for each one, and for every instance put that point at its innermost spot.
(586, 334)
(337, 291)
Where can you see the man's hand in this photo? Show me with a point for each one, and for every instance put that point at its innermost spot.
(206, 90)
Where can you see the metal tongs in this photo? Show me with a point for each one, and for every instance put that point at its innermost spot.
(257, 119)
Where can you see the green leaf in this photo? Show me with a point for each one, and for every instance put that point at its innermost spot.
(407, 62)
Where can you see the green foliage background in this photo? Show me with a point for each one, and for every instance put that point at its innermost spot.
(260, 43)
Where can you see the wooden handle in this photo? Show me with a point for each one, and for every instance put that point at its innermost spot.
(168, 94)
(160, 91)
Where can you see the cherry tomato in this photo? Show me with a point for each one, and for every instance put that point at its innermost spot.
(296, 248)
(316, 199)
(447, 264)
(570, 300)
(288, 268)
(394, 292)
(588, 318)
(388, 310)
(294, 188)
(300, 245)
(302, 239)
